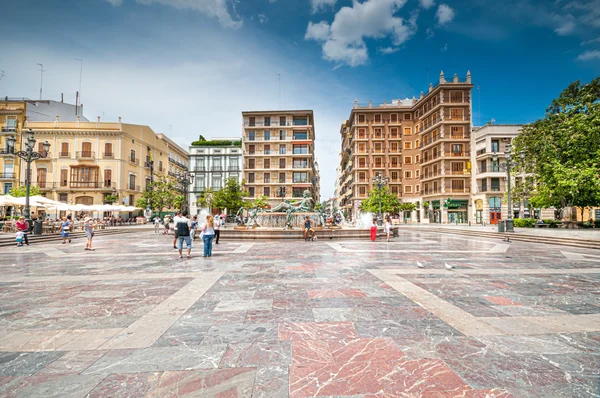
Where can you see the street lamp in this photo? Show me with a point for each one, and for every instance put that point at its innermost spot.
(28, 155)
(380, 182)
(185, 180)
(510, 163)
(281, 192)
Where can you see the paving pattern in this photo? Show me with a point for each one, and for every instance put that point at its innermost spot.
(300, 319)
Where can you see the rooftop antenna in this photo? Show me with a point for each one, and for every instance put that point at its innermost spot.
(279, 86)
(479, 104)
(80, 74)
(41, 78)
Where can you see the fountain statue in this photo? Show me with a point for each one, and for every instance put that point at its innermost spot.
(298, 206)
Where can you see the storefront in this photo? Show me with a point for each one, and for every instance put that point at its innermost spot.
(435, 216)
(458, 211)
(479, 211)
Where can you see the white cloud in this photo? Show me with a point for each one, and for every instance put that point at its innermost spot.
(388, 50)
(426, 4)
(566, 25)
(317, 31)
(211, 8)
(321, 5)
(344, 42)
(445, 48)
(589, 55)
(262, 18)
(585, 43)
(444, 14)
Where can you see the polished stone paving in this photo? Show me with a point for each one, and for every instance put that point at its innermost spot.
(300, 319)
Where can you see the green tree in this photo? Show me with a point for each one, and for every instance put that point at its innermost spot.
(261, 202)
(389, 201)
(562, 150)
(206, 198)
(231, 196)
(34, 190)
(110, 199)
(163, 194)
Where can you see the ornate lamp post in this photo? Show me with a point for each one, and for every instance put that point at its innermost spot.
(281, 192)
(185, 180)
(510, 163)
(380, 182)
(28, 155)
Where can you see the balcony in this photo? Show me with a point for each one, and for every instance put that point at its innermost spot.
(85, 155)
(7, 152)
(274, 123)
(8, 176)
(64, 154)
(216, 168)
(134, 161)
(132, 187)
(458, 190)
(432, 191)
(9, 129)
(48, 157)
(147, 164)
(481, 188)
(460, 154)
(86, 184)
(177, 163)
(233, 168)
(108, 155)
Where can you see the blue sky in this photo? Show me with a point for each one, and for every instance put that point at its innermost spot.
(189, 67)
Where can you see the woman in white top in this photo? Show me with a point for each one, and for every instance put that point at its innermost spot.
(208, 233)
(388, 228)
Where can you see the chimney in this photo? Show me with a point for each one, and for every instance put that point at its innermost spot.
(469, 77)
(442, 78)
(62, 98)
(455, 78)
(430, 87)
(77, 103)
(422, 95)
(355, 103)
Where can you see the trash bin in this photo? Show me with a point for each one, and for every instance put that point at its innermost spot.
(501, 226)
(510, 225)
(37, 227)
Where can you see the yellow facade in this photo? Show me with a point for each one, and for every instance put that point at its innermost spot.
(12, 116)
(90, 160)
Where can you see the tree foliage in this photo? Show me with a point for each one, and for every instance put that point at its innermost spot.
(19, 191)
(407, 206)
(231, 196)
(164, 194)
(206, 198)
(563, 149)
(261, 202)
(389, 201)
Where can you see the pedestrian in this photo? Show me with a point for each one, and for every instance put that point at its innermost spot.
(183, 235)
(374, 230)
(22, 226)
(194, 227)
(388, 227)
(308, 230)
(65, 228)
(156, 224)
(175, 221)
(88, 227)
(166, 225)
(217, 228)
(19, 237)
(208, 233)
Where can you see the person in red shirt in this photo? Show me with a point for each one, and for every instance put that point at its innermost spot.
(23, 226)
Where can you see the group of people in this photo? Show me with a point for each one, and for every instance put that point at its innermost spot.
(185, 230)
(387, 228)
(66, 227)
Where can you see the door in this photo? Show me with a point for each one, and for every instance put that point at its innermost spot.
(494, 217)
(41, 178)
(86, 149)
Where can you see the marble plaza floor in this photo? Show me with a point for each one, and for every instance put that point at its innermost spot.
(300, 319)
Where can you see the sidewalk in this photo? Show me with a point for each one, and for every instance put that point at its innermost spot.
(587, 234)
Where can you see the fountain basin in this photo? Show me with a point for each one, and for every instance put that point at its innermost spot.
(278, 220)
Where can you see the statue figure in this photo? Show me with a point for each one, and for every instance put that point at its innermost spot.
(252, 216)
(296, 206)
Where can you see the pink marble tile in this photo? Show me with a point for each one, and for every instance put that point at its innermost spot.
(335, 293)
(310, 352)
(317, 331)
(499, 300)
(376, 349)
(126, 384)
(224, 383)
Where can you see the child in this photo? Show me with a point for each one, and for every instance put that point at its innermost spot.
(20, 238)
(388, 227)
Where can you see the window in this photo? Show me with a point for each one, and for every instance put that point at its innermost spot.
(378, 162)
(251, 191)
(408, 174)
(267, 135)
(394, 189)
(378, 147)
(394, 118)
(282, 178)
(132, 182)
(456, 114)
(483, 185)
(251, 136)
(251, 163)
(267, 178)
(457, 149)
(300, 149)
(86, 149)
(84, 177)
(160, 165)
(267, 191)
(252, 121)
(132, 156)
(108, 151)
(282, 135)
(406, 130)
(378, 118)
(300, 163)
(267, 149)
(216, 164)
(362, 118)
(417, 173)
(362, 147)
(282, 163)
(362, 133)
(394, 161)
(408, 189)
(394, 175)
(200, 182)
(64, 177)
(216, 182)
(458, 167)
(417, 188)
(495, 146)
(417, 157)
(408, 160)
(300, 177)
(267, 121)
(378, 133)
(362, 191)
(458, 185)
(300, 135)
(362, 162)
(267, 163)
(107, 177)
(456, 96)
(407, 116)
(362, 177)
(495, 184)
(407, 145)
(394, 132)
(41, 178)
(11, 123)
(301, 121)
(282, 120)
(282, 149)
(251, 178)
(63, 197)
(233, 164)
(394, 147)
(495, 203)
(457, 131)
(64, 150)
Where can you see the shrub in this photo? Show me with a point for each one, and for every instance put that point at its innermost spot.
(525, 222)
(552, 223)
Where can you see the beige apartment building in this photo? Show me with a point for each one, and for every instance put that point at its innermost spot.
(89, 161)
(422, 145)
(279, 151)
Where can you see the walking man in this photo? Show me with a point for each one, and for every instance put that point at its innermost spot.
(183, 226)
(217, 228)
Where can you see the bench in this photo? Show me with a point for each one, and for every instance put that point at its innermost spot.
(542, 225)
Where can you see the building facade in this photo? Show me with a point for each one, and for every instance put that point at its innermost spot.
(279, 154)
(211, 166)
(422, 145)
(89, 161)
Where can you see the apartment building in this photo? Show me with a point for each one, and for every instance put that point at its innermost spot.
(90, 160)
(212, 165)
(422, 145)
(279, 154)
